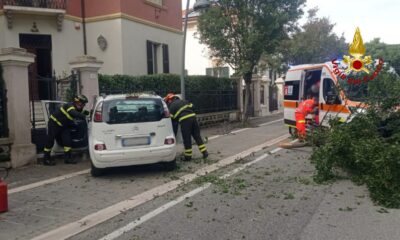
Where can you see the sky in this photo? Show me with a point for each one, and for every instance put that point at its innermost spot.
(375, 18)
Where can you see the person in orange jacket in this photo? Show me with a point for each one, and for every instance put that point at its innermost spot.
(305, 107)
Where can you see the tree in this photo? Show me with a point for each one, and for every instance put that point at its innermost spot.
(239, 32)
(314, 42)
(390, 53)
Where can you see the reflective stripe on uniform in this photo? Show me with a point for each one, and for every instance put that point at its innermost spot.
(301, 121)
(202, 148)
(67, 149)
(66, 114)
(55, 120)
(47, 149)
(70, 108)
(188, 152)
(181, 109)
(187, 116)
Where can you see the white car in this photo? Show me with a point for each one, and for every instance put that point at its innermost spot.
(128, 130)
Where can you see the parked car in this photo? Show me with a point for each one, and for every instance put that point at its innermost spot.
(127, 130)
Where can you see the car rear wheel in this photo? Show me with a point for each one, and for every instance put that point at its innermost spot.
(97, 172)
(170, 166)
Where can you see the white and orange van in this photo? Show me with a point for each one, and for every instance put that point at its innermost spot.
(332, 102)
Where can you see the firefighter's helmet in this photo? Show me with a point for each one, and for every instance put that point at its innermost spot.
(170, 97)
(81, 99)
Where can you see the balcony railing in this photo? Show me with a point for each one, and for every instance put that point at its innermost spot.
(52, 4)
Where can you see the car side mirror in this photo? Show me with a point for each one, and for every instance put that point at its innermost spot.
(332, 98)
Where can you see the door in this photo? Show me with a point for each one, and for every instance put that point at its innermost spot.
(41, 81)
(331, 105)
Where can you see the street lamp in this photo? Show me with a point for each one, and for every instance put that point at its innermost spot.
(198, 5)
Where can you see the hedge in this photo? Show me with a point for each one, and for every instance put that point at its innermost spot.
(208, 94)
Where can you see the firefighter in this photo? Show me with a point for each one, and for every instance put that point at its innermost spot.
(305, 107)
(182, 113)
(59, 125)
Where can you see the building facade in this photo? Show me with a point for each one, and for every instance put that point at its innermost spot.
(134, 37)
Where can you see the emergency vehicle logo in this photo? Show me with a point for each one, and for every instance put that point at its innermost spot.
(357, 63)
(357, 50)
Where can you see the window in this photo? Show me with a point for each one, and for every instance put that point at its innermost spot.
(132, 110)
(329, 88)
(291, 90)
(218, 72)
(157, 58)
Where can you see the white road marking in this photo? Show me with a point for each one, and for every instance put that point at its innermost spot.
(214, 137)
(153, 213)
(47, 181)
(73, 228)
(130, 226)
(240, 130)
(272, 122)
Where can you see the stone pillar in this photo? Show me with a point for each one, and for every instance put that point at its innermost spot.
(15, 62)
(88, 68)
(256, 81)
(239, 82)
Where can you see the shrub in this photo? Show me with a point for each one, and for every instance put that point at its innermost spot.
(368, 147)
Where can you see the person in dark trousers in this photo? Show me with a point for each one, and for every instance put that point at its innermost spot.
(59, 125)
(182, 113)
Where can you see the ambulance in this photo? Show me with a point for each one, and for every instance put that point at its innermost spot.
(319, 80)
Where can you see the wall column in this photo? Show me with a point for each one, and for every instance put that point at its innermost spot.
(88, 68)
(15, 62)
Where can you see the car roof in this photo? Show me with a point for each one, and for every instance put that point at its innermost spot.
(123, 96)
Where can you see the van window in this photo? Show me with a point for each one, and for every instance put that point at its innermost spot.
(291, 90)
(132, 110)
(329, 87)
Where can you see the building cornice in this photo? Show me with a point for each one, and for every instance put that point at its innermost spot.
(131, 18)
(73, 18)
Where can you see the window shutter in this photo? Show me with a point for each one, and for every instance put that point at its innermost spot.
(150, 63)
(165, 58)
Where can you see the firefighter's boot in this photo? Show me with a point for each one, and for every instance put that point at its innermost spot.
(47, 159)
(68, 158)
(205, 154)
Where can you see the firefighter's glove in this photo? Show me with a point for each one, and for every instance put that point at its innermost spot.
(86, 112)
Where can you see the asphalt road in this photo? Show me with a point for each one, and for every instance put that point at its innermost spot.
(269, 194)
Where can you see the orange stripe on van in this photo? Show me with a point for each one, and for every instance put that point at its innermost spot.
(289, 104)
(335, 108)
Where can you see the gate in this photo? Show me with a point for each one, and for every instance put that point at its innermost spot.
(273, 98)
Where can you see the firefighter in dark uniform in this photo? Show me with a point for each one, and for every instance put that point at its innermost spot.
(60, 123)
(182, 113)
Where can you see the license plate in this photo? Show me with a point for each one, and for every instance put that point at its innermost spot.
(137, 141)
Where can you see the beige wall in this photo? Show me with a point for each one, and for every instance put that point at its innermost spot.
(134, 37)
(112, 55)
(66, 45)
(197, 57)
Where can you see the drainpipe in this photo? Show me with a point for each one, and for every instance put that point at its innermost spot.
(83, 13)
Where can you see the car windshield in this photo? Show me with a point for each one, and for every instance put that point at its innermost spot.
(119, 111)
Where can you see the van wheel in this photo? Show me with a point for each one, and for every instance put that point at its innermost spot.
(293, 131)
(96, 172)
(170, 166)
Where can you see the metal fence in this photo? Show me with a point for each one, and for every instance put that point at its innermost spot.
(206, 101)
(53, 4)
